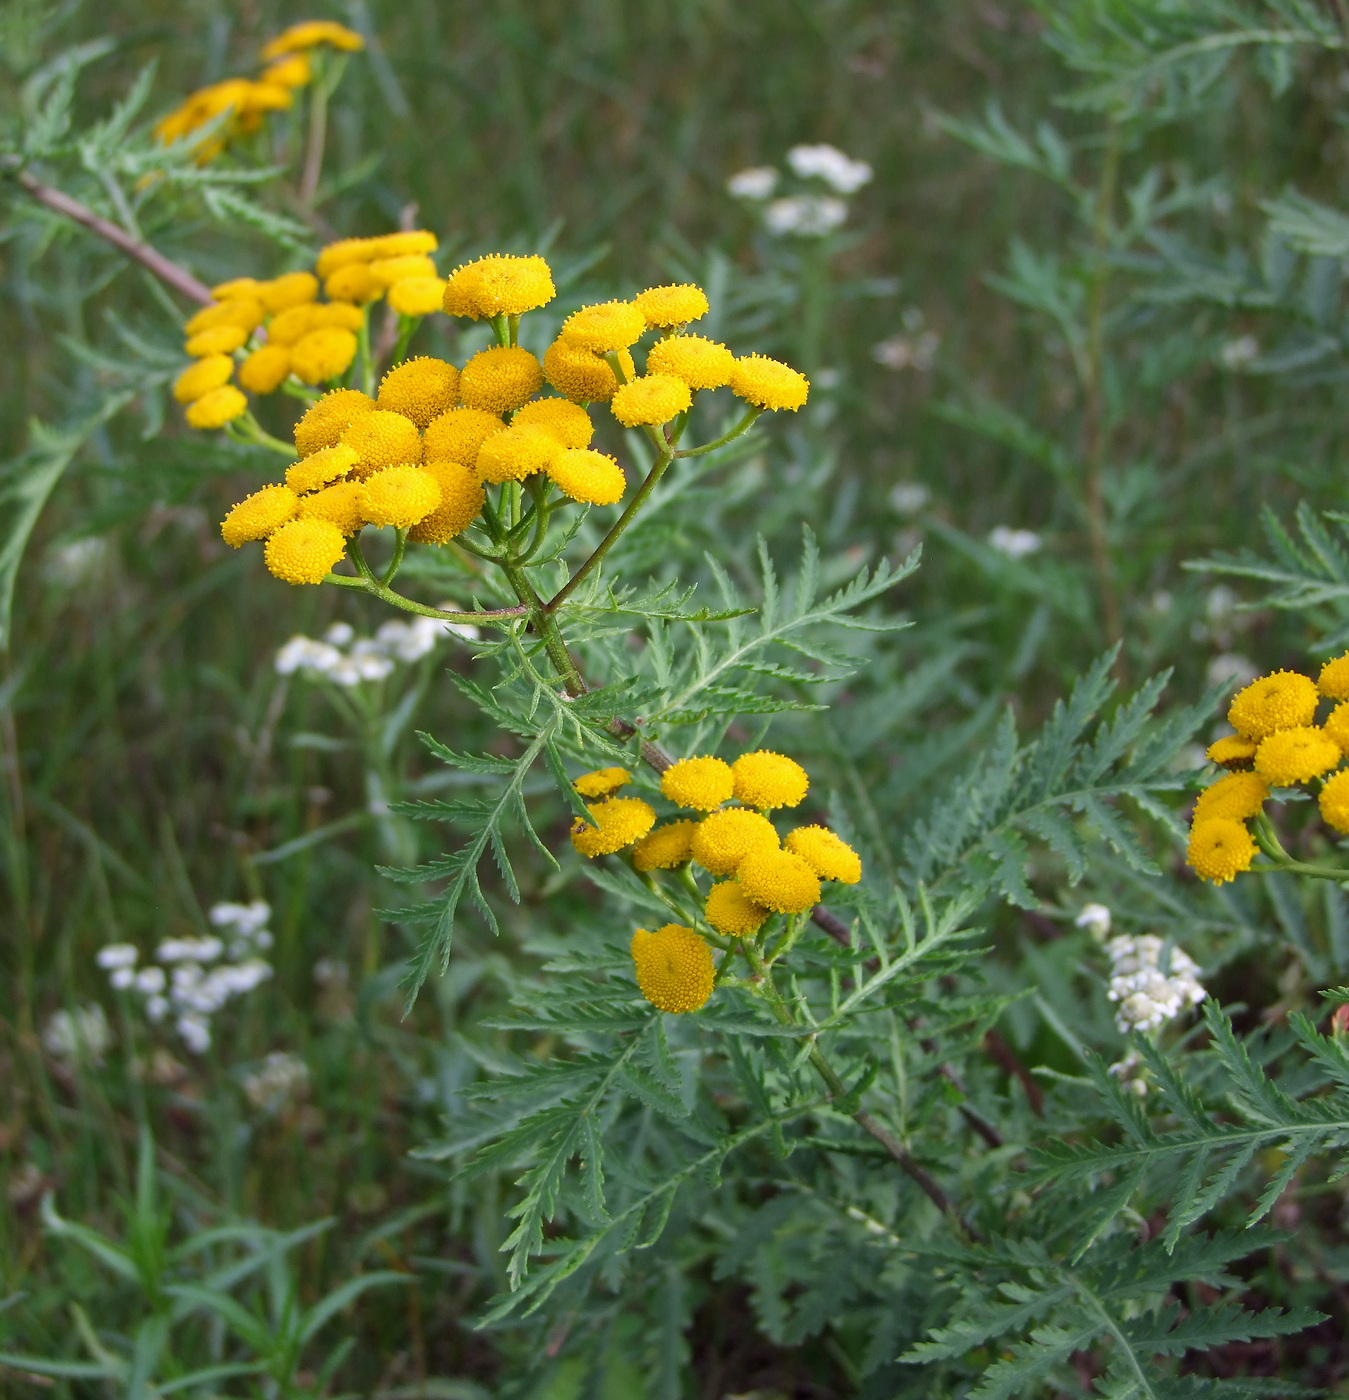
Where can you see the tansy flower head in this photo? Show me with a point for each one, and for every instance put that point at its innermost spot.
(235, 287)
(292, 289)
(339, 504)
(498, 285)
(667, 847)
(461, 498)
(729, 910)
(701, 364)
(1284, 700)
(581, 375)
(420, 389)
(500, 379)
(303, 551)
(336, 313)
(256, 516)
(322, 355)
(828, 855)
(603, 782)
(664, 307)
(343, 252)
(292, 72)
(219, 340)
(291, 324)
(700, 783)
(516, 453)
(216, 408)
(1296, 755)
(203, 376)
(588, 476)
(650, 399)
(724, 839)
(609, 326)
(242, 311)
(1232, 751)
(407, 243)
(458, 436)
(1220, 849)
(779, 881)
(320, 469)
(1334, 801)
(417, 296)
(619, 821)
(674, 968)
(765, 779)
(399, 496)
(387, 271)
(325, 421)
(1238, 796)
(353, 282)
(383, 439)
(1333, 682)
(310, 34)
(569, 423)
(265, 369)
(1337, 725)
(768, 383)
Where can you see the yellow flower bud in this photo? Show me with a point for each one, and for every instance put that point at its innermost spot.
(498, 285)
(779, 881)
(420, 389)
(830, 857)
(265, 369)
(664, 307)
(611, 325)
(339, 504)
(325, 421)
(588, 476)
(203, 376)
(581, 375)
(768, 383)
(766, 780)
(322, 355)
(293, 289)
(666, 848)
(220, 340)
(730, 910)
(650, 399)
(417, 296)
(516, 453)
(619, 821)
(701, 364)
(215, 409)
(700, 783)
(500, 379)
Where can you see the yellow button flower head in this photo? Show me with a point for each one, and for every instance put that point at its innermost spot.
(584, 475)
(387, 271)
(235, 287)
(650, 399)
(256, 516)
(1333, 682)
(674, 968)
(603, 782)
(215, 409)
(320, 469)
(724, 839)
(730, 910)
(619, 821)
(291, 324)
(353, 282)
(1334, 801)
(569, 423)
(1220, 849)
(324, 423)
(700, 783)
(701, 364)
(516, 453)
(265, 369)
(304, 551)
(499, 285)
(293, 289)
(220, 340)
(608, 326)
(292, 72)
(1232, 751)
(667, 847)
(828, 855)
(336, 313)
(309, 35)
(406, 243)
(203, 376)
(1238, 796)
(582, 375)
(500, 379)
(765, 780)
(664, 307)
(768, 383)
(243, 311)
(339, 504)
(416, 296)
(1284, 700)
(383, 439)
(344, 251)
(779, 881)
(399, 496)
(461, 498)
(1337, 725)
(458, 436)
(1296, 755)
(322, 355)
(421, 389)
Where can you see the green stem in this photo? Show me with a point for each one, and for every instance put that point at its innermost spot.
(407, 325)
(371, 585)
(399, 549)
(743, 426)
(501, 329)
(364, 362)
(513, 328)
(545, 624)
(247, 429)
(1268, 841)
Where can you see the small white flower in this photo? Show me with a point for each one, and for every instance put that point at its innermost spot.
(150, 981)
(1232, 667)
(120, 978)
(1150, 985)
(1015, 544)
(828, 163)
(305, 654)
(804, 215)
(909, 497)
(81, 1035)
(195, 1032)
(197, 950)
(156, 1008)
(117, 955)
(1095, 918)
(339, 634)
(245, 919)
(756, 183)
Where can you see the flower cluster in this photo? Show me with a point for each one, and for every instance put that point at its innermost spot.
(345, 659)
(756, 872)
(1277, 743)
(1147, 995)
(286, 68)
(280, 1080)
(78, 1037)
(808, 213)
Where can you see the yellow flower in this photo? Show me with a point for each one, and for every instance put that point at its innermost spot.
(724, 839)
(1284, 700)
(292, 72)
(1333, 682)
(399, 496)
(405, 244)
(244, 312)
(730, 910)
(499, 379)
(310, 34)
(1220, 849)
(265, 369)
(765, 780)
(779, 881)
(700, 783)
(619, 821)
(603, 782)
(1238, 796)
(339, 504)
(650, 399)
(588, 476)
(336, 313)
(353, 281)
(324, 422)
(304, 551)
(203, 376)
(1337, 725)
(421, 389)
(768, 383)
(220, 340)
(322, 355)
(568, 422)
(581, 375)
(416, 296)
(701, 364)
(320, 469)
(1296, 756)
(1334, 801)
(256, 516)
(499, 285)
(828, 855)
(235, 287)
(344, 251)
(293, 289)
(458, 436)
(387, 271)
(217, 408)
(461, 498)
(291, 325)
(664, 307)
(383, 439)
(674, 968)
(667, 847)
(1232, 751)
(608, 326)
(516, 453)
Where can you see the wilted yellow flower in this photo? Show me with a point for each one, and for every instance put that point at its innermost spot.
(265, 369)
(608, 326)
(674, 968)
(220, 340)
(421, 389)
(700, 783)
(322, 355)
(589, 476)
(387, 271)
(324, 422)
(500, 379)
(1220, 849)
(399, 496)
(1232, 751)
(215, 409)
(581, 374)
(730, 910)
(202, 376)
(619, 821)
(649, 400)
(724, 839)
(321, 468)
(668, 846)
(1296, 755)
(457, 436)
(603, 782)
(416, 296)
(498, 285)
(828, 855)
(568, 422)
(353, 282)
(1283, 700)
(383, 439)
(766, 780)
(256, 516)
(664, 307)
(304, 551)
(516, 453)
(310, 34)
(768, 383)
(461, 498)
(243, 311)
(701, 364)
(339, 504)
(293, 289)
(1334, 801)
(779, 881)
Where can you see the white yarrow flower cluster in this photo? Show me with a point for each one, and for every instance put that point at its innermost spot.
(756, 183)
(804, 215)
(810, 212)
(1015, 544)
(828, 163)
(1146, 994)
(345, 659)
(81, 1036)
